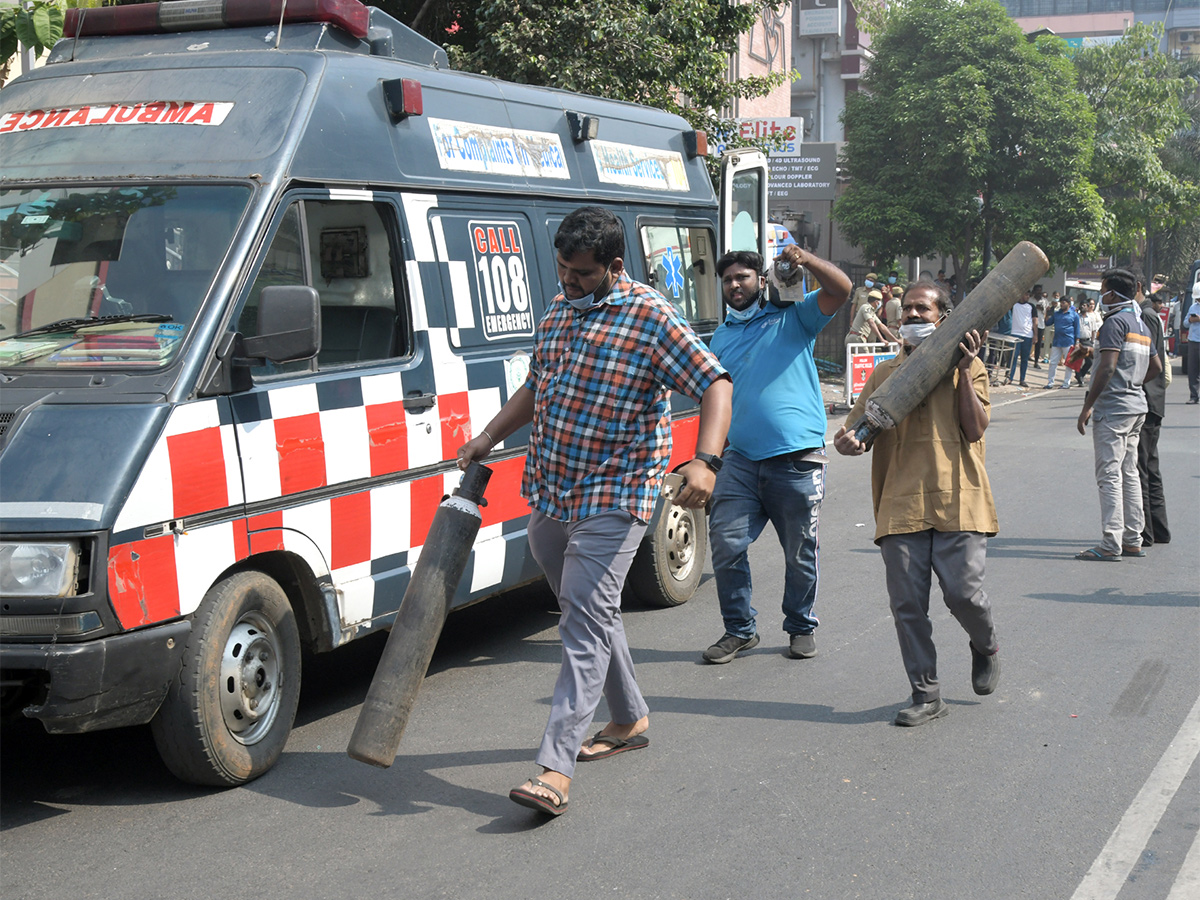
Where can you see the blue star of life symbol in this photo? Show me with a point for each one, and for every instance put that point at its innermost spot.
(673, 263)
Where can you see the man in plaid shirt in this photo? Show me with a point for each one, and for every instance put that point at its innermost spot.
(607, 355)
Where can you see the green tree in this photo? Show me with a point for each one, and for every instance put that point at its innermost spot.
(1172, 246)
(1141, 163)
(965, 135)
(672, 54)
(32, 25)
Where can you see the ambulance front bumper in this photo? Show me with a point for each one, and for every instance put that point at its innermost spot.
(110, 682)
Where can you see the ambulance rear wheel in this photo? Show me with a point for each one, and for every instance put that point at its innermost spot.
(230, 710)
(670, 562)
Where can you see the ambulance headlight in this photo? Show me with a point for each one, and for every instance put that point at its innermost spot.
(38, 570)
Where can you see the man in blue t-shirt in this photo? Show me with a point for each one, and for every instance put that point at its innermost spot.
(774, 467)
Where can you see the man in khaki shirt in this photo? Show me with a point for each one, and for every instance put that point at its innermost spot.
(933, 506)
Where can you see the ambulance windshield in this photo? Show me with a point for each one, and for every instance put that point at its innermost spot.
(108, 277)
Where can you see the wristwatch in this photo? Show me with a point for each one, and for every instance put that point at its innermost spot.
(711, 460)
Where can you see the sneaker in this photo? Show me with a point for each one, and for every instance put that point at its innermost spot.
(920, 713)
(1064, 387)
(1024, 385)
(803, 646)
(728, 647)
(985, 670)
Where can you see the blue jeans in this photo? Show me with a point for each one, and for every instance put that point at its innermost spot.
(748, 494)
(1022, 348)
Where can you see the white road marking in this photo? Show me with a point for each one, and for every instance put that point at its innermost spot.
(1187, 883)
(1111, 869)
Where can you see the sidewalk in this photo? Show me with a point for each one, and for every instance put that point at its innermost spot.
(833, 389)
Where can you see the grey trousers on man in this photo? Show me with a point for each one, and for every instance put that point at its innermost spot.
(910, 560)
(586, 562)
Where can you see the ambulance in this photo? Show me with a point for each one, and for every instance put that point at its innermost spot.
(263, 268)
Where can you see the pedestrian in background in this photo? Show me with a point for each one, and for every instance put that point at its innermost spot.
(1192, 323)
(606, 357)
(1116, 398)
(867, 327)
(1040, 304)
(891, 312)
(1155, 529)
(1065, 322)
(933, 507)
(774, 467)
(1089, 326)
(862, 294)
(1023, 313)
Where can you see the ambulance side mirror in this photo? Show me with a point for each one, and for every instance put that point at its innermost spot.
(289, 324)
(289, 330)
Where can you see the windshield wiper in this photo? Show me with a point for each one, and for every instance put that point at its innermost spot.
(75, 324)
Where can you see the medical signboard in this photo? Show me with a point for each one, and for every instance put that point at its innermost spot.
(821, 18)
(787, 130)
(810, 174)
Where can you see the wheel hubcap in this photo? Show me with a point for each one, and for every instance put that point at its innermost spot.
(681, 542)
(250, 671)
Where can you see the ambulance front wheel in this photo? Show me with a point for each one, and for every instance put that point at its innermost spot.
(228, 713)
(670, 562)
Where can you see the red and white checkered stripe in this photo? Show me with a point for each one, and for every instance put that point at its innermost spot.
(193, 468)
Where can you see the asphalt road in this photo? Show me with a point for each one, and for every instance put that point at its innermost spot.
(765, 778)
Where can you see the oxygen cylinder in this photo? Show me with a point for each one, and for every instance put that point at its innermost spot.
(928, 363)
(419, 622)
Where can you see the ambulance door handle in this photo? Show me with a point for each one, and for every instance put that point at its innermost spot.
(417, 402)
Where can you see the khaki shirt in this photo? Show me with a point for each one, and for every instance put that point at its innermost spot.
(924, 473)
(860, 328)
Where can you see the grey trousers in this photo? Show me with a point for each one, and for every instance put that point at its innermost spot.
(1115, 440)
(586, 562)
(910, 560)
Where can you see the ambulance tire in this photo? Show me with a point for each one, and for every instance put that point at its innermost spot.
(670, 562)
(229, 712)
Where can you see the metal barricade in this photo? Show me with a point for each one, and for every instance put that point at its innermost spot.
(1000, 349)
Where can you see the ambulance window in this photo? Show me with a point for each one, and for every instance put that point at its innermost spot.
(679, 264)
(344, 249)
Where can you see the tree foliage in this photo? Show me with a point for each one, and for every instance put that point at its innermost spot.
(672, 54)
(1142, 171)
(965, 134)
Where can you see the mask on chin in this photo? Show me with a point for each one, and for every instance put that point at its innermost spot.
(748, 312)
(587, 302)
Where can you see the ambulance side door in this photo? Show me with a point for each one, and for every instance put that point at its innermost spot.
(744, 201)
(342, 454)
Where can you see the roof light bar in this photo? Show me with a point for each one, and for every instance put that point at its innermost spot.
(695, 143)
(189, 15)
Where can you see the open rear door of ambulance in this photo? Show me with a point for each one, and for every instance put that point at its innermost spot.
(744, 201)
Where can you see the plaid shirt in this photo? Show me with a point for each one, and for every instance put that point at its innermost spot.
(602, 383)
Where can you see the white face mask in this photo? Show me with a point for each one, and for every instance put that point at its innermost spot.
(1107, 309)
(753, 308)
(588, 301)
(915, 332)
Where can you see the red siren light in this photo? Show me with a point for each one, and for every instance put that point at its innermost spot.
(189, 15)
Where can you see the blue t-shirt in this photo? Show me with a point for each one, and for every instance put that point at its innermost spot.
(777, 405)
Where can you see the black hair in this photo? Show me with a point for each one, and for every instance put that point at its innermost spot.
(1120, 280)
(591, 229)
(941, 295)
(747, 258)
